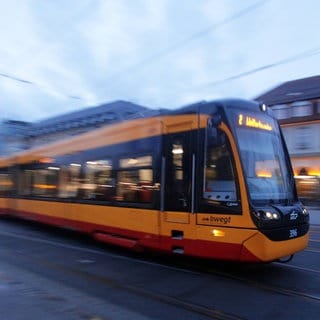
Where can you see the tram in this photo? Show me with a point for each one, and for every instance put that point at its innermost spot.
(212, 180)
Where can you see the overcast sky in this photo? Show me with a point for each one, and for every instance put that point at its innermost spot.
(58, 56)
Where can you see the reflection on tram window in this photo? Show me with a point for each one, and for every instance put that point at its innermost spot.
(69, 180)
(219, 180)
(134, 180)
(46, 181)
(97, 182)
(39, 181)
(6, 184)
(25, 182)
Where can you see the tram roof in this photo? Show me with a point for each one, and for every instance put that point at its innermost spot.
(210, 107)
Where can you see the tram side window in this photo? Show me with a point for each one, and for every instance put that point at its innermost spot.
(39, 181)
(135, 180)
(97, 183)
(45, 181)
(219, 177)
(25, 183)
(6, 183)
(69, 181)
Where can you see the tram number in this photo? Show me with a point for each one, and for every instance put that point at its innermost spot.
(293, 233)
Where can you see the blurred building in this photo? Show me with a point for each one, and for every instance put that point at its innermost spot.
(74, 123)
(296, 105)
(12, 136)
(17, 136)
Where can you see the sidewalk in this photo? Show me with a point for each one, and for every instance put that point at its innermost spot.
(314, 215)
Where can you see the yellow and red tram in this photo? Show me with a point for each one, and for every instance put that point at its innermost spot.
(211, 180)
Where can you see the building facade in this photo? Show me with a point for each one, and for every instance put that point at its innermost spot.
(74, 123)
(12, 136)
(296, 105)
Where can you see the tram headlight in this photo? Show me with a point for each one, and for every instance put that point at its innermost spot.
(305, 212)
(267, 215)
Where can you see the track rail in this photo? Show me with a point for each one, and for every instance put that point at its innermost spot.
(272, 288)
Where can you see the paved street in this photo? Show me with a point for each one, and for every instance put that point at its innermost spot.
(314, 215)
(46, 273)
(51, 274)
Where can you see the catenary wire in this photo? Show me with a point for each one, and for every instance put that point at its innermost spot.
(300, 56)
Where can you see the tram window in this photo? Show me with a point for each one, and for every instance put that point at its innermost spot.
(39, 182)
(177, 155)
(25, 182)
(45, 181)
(134, 180)
(69, 180)
(97, 183)
(6, 184)
(219, 178)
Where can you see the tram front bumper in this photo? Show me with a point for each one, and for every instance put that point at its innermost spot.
(260, 248)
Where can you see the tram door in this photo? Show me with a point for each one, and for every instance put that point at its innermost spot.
(177, 193)
(178, 171)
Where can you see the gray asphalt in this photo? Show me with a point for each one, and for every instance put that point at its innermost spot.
(314, 215)
(36, 284)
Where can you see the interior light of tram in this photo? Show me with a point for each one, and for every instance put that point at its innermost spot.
(264, 169)
(54, 168)
(75, 165)
(264, 174)
(177, 151)
(314, 172)
(132, 161)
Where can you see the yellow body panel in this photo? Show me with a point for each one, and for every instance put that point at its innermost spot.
(5, 162)
(121, 132)
(127, 218)
(52, 209)
(225, 235)
(224, 220)
(3, 203)
(194, 231)
(177, 217)
(267, 250)
(132, 219)
(168, 225)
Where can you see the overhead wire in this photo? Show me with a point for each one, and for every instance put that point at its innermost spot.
(11, 77)
(29, 82)
(300, 56)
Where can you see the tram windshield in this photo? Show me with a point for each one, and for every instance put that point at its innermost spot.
(264, 160)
